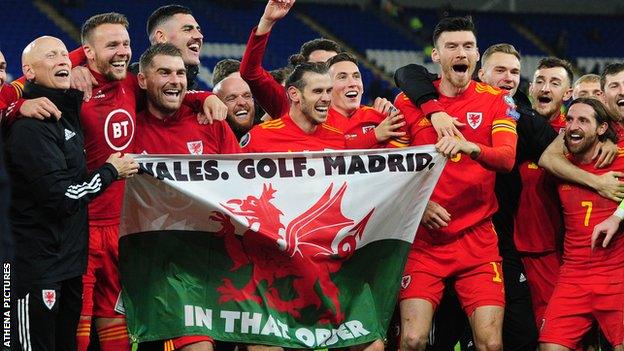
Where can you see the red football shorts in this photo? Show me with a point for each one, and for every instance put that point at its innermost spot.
(573, 308)
(178, 343)
(542, 271)
(472, 259)
(101, 281)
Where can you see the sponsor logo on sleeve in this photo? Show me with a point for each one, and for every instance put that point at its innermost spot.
(509, 101)
(513, 114)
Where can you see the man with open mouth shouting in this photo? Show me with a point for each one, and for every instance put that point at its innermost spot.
(460, 242)
(612, 81)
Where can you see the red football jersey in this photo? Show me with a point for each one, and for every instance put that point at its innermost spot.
(582, 210)
(283, 135)
(465, 188)
(270, 94)
(360, 129)
(337, 119)
(182, 134)
(537, 225)
(109, 124)
(619, 130)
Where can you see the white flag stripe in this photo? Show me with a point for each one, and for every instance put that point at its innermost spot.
(394, 184)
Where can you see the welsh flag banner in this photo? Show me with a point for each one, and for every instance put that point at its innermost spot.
(300, 250)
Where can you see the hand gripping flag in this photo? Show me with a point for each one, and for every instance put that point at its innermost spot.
(300, 250)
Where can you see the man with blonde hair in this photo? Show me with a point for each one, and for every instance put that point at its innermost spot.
(588, 86)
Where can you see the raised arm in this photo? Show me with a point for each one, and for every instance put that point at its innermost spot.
(269, 93)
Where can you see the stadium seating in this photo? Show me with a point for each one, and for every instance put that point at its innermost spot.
(226, 26)
(22, 22)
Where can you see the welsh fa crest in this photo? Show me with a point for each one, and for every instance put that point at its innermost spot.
(405, 281)
(195, 147)
(367, 129)
(474, 119)
(49, 298)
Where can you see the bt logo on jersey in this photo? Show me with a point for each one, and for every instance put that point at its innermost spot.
(119, 129)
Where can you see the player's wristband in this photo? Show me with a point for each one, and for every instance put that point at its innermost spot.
(619, 212)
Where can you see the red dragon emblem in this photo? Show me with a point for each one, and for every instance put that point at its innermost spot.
(474, 119)
(307, 251)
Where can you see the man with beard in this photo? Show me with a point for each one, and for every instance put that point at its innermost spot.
(590, 283)
(51, 190)
(588, 86)
(236, 95)
(168, 127)
(612, 82)
(466, 249)
(108, 120)
(270, 94)
(538, 223)
(174, 24)
(501, 68)
(309, 89)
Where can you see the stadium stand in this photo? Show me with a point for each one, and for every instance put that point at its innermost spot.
(15, 35)
(226, 26)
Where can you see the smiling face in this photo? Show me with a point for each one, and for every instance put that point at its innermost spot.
(315, 97)
(501, 70)
(165, 82)
(46, 62)
(236, 95)
(457, 54)
(549, 89)
(183, 31)
(348, 87)
(582, 130)
(614, 94)
(108, 51)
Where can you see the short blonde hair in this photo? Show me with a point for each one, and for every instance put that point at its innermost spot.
(502, 48)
